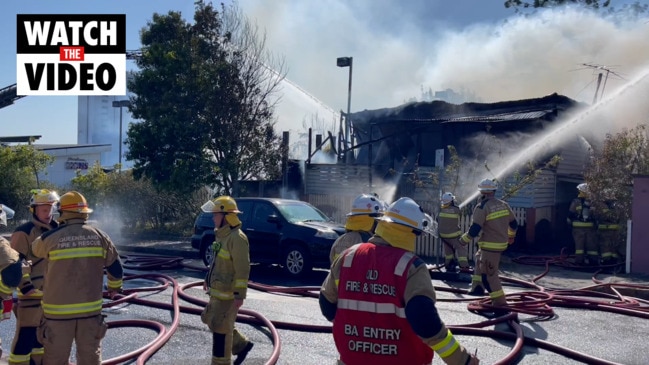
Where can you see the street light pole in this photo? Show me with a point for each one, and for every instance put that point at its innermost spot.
(347, 62)
(120, 104)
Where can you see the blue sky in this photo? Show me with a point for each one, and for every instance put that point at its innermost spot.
(473, 45)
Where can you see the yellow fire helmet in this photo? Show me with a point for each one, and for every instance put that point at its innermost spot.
(222, 204)
(74, 202)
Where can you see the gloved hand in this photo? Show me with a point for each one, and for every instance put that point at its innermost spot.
(7, 306)
(465, 238)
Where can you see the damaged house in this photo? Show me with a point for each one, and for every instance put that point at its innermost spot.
(393, 145)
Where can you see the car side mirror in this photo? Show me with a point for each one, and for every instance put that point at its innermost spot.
(273, 219)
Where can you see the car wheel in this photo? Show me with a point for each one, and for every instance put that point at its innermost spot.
(296, 261)
(207, 252)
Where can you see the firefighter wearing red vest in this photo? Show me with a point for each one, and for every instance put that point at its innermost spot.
(26, 349)
(494, 222)
(11, 270)
(449, 231)
(381, 300)
(580, 217)
(227, 282)
(359, 225)
(77, 255)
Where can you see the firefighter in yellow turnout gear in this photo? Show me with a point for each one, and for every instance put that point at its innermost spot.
(11, 270)
(580, 217)
(227, 282)
(77, 255)
(360, 224)
(26, 349)
(448, 222)
(387, 260)
(495, 224)
(608, 233)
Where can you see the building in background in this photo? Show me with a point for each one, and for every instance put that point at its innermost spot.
(98, 124)
(68, 159)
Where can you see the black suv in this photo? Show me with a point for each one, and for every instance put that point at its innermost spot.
(292, 233)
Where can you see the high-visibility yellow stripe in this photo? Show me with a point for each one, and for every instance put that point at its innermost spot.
(38, 351)
(579, 252)
(36, 294)
(449, 257)
(592, 253)
(582, 224)
(241, 283)
(75, 253)
(448, 215)
(476, 278)
(403, 218)
(76, 308)
(447, 346)
(224, 254)
(115, 284)
(19, 358)
(608, 226)
(497, 214)
(493, 246)
(221, 294)
(5, 289)
(451, 235)
(497, 294)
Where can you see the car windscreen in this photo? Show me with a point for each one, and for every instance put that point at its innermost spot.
(301, 213)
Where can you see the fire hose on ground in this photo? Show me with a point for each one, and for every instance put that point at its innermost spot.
(536, 301)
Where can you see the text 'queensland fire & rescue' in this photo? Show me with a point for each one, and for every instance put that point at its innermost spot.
(73, 54)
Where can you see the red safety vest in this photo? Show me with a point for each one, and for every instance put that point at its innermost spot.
(370, 325)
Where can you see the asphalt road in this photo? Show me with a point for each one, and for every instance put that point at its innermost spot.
(613, 337)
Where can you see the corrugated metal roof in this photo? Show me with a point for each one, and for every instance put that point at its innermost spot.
(505, 117)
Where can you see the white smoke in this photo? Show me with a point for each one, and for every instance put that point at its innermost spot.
(400, 47)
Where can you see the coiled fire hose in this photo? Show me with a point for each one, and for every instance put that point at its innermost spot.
(537, 301)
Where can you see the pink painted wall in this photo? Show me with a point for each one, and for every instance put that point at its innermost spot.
(640, 226)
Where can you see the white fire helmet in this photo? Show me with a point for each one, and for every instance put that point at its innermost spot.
(447, 198)
(367, 204)
(407, 212)
(583, 187)
(487, 185)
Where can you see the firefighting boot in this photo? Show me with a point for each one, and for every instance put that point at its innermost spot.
(477, 291)
(451, 266)
(242, 355)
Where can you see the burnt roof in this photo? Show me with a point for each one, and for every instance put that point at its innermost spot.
(442, 112)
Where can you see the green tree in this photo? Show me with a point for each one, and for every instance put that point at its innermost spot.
(203, 93)
(610, 171)
(19, 169)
